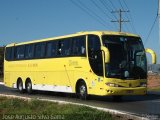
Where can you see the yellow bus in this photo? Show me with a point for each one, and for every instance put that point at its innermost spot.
(86, 63)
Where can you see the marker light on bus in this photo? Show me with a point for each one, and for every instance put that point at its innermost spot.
(112, 85)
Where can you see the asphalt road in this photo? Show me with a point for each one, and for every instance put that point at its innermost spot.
(148, 105)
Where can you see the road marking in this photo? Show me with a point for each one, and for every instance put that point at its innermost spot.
(1, 83)
(156, 101)
(112, 111)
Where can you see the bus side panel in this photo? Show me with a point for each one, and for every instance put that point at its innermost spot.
(7, 81)
(83, 71)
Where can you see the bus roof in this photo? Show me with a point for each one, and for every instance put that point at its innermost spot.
(76, 34)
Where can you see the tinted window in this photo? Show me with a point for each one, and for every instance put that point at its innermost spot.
(29, 51)
(9, 53)
(79, 45)
(93, 43)
(39, 50)
(51, 49)
(95, 54)
(20, 52)
(64, 47)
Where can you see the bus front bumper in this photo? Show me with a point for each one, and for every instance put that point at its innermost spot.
(123, 91)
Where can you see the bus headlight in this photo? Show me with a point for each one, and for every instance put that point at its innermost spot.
(112, 85)
(142, 84)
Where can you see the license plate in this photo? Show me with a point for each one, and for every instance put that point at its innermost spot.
(129, 91)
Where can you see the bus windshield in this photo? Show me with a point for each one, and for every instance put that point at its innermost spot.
(127, 57)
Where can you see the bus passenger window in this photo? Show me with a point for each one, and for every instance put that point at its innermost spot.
(82, 50)
(39, 50)
(29, 51)
(65, 47)
(79, 46)
(60, 45)
(20, 52)
(51, 49)
(9, 53)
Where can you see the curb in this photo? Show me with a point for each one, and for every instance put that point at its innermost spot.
(116, 113)
(1, 83)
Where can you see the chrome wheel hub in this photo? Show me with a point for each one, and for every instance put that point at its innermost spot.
(83, 90)
(20, 86)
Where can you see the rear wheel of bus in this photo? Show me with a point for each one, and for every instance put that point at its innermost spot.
(28, 86)
(20, 85)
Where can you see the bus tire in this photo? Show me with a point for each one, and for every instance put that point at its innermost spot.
(20, 86)
(28, 86)
(82, 90)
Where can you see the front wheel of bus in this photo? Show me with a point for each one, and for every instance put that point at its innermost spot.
(29, 87)
(82, 90)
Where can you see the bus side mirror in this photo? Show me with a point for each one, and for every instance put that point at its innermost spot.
(153, 54)
(106, 54)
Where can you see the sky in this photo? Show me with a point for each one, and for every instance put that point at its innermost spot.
(24, 20)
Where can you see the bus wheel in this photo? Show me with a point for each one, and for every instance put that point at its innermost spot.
(82, 90)
(29, 87)
(20, 86)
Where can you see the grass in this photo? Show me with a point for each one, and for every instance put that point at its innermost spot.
(11, 107)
